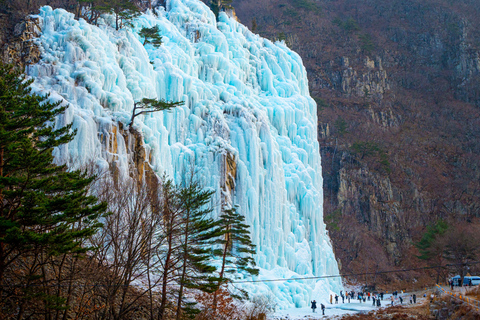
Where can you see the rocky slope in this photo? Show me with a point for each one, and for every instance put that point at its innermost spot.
(398, 91)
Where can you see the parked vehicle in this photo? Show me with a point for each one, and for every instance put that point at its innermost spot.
(471, 280)
(456, 280)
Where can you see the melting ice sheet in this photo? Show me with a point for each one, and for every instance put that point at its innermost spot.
(245, 98)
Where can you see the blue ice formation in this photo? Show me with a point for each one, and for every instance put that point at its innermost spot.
(246, 99)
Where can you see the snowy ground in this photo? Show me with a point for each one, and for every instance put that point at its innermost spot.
(333, 311)
(330, 310)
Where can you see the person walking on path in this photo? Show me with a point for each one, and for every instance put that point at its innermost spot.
(323, 309)
(391, 298)
(336, 299)
(414, 298)
(331, 299)
(401, 299)
(314, 305)
(373, 299)
(378, 303)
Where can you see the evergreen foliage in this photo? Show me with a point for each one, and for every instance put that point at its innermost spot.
(429, 237)
(282, 36)
(197, 239)
(321, 103)
(237, 248)
(188, 235)
(308, 5)
(341, 126)
(220, 5)
(366, 43)
(151, 35)
(90, 10)
(43, 207)
(124, 11)
(151, 105)
(349, 25)
(372, 150)
(254, 24)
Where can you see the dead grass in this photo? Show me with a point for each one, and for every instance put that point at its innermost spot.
(474, 293)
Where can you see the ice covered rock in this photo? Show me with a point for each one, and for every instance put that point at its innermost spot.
(248, 127)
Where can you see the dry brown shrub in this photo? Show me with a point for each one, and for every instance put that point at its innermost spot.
(226, 307)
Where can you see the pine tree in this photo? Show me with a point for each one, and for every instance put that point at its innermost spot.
(87, 9)
(254, 24)
(220, 5)
(237, 248)
(43, 207)
(151, 35)
(198, 238)
(430, 247)
(151, 105)
(188, 235)
(170, 235)
(425, 245)
(124, 10)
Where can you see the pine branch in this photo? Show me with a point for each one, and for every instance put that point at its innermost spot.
(151, 105)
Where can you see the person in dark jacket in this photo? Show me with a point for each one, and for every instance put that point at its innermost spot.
(323, 309)
(336, 299)
(414, 298)
(314, 305)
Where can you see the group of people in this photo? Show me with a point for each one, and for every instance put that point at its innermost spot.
(361, 296)
(364, 296)
(413, 298)
(451, 283)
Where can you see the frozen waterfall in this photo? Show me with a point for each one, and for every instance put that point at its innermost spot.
(248, 125)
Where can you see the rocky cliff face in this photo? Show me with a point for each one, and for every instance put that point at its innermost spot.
(367, 79)
(21, 50)
(397, 86)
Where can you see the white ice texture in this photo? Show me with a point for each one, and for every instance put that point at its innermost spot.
(244, 96)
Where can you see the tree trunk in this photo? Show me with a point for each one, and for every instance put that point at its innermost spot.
(150, 292)
(184, 268)
(222, 271)
(59, 284)
(2, 245)
(163, 302)
(2, 260)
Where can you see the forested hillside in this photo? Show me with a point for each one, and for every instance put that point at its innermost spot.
(397, 85)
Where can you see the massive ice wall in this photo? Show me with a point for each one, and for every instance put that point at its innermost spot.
(247, 128)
